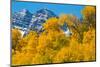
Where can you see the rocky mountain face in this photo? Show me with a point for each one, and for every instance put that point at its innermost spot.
(26, 21)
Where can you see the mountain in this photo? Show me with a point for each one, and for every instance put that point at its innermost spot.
(39, 18)
(21, 19)
(26, 21)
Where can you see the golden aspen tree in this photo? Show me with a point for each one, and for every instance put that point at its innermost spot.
(89, 16)
(74, 25)
(16, 36)
(27, 49)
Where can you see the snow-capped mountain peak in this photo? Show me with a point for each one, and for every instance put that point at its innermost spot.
(39, 17)
(23, 12)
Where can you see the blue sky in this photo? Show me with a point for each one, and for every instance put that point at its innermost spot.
(56, 8)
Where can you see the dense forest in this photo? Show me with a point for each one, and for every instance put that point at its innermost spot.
(53, 45)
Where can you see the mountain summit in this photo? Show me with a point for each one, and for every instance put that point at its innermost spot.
(21, 19)
(39, 18)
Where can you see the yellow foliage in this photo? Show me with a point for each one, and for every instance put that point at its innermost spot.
(16, 36)
(51, 24)
(52, 45)
(89, 16)
(62, 19)
(88, 11)
(22, 58)
(76, 52)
